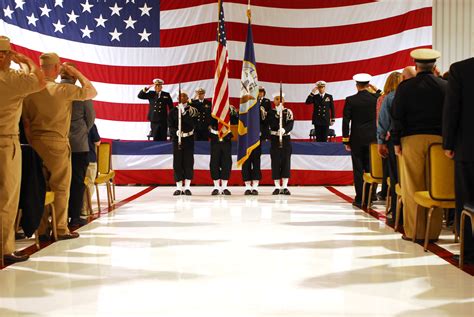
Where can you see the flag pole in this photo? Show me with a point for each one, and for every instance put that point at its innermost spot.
(249, 13)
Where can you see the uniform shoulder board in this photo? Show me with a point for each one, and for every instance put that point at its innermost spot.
(289, 114)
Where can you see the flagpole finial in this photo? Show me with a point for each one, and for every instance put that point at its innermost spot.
(249, 14)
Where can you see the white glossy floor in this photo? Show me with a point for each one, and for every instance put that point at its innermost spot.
(312, 254)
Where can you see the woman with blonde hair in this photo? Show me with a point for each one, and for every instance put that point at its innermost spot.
(391, 84)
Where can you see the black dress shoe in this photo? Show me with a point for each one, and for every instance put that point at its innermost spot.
(285, 191)
(276, 191)
(467, 259)
(187, 192)
(380, 196)
(357, 204)
(404, 237)
(69, 236)
(215, 192)
(254, 192)
(15, 257)
(177, 192)
(248, 192)
(44, 238)
(19, 236)
(226, 192)
(78, 222)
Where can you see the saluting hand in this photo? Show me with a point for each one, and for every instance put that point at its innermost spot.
(19, 58)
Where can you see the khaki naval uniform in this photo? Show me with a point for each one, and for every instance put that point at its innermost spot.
(49, 114)
(14, 86)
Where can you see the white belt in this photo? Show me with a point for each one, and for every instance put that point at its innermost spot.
(278, 134)
(186, 134)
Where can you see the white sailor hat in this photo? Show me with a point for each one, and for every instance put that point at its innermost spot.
(200, 90)
(321, 83)
(277, 94)
(425, 55)
(157, 81)
(261, 88)
(362, 78)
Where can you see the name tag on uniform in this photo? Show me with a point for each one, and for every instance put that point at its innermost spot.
(165, 97)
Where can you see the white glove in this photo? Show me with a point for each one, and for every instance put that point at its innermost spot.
(281, 131)
(177, 133)
(181, 107)
(279, 108)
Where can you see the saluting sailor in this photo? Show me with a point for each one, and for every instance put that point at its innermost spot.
(160, 103)
(204, 107)
(323, 111)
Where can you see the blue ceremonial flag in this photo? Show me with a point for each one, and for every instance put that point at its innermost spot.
(249, 110)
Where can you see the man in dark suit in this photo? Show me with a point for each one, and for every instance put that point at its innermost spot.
(160, 103)
(323, 111)
(458, 140)
(359, 112)
(203, 119)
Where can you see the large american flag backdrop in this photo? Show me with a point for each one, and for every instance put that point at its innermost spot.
(122, 45)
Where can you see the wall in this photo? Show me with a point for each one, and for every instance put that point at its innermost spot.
(453, 30)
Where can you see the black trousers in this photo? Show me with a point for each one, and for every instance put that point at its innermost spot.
(360, 164)
(251, 167)
(183, 159)
(201, 134)
(321, 133)
(281, 157)
(79, 163)
(221, 159)
(159, 131)
(384, 189)
(464, 188)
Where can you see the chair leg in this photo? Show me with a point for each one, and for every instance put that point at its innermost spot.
(1, 241)
(109, 195)
(363, 194)
(18, 220)
(456, 233)
(397, 212)
(98, 198)
(113, 189)
(54, 222)
(427, 229)
(37, 240)
(89, 202)
(461, 247)
(388, 202)
(416, 224)
(369, 201)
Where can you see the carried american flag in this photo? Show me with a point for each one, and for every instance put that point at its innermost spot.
(220, 108)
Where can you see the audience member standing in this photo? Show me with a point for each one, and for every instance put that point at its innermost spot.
(47, 119)
(458, 140)
(359, 113)
(417, 114)
(323, 111)
(82, 120)
(14, 86)
(385, 144)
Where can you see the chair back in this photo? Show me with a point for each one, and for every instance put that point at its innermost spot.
(441, 174)
(376, 168)
(103, 158)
